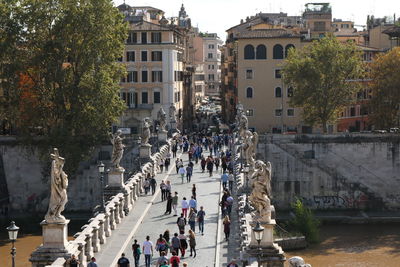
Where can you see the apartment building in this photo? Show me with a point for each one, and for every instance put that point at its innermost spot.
(154, 55)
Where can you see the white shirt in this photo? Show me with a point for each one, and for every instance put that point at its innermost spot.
(147, 245)
(184, 204)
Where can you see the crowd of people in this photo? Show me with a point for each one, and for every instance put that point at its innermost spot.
(212, 153)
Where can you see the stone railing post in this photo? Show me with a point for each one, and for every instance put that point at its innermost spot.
(132, 194)
(95, 238)
(101, 232)
(121, 203)
(112, 218)
(107, 224)
(82, 256)
(88, 246)
(116, 212)
(135, 189)
(127, 199)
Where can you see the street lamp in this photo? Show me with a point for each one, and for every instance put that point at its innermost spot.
(101, 171)
(12, 235)
(258, 234)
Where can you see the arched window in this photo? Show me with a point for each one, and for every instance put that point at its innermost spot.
(261, 52)
(249, 52)
(287, 49)
(278, 52)
(278, 92)
(290, 92)
(249, 92)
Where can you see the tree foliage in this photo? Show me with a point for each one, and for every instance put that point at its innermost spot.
(320, 74)
(59, 71)
(385, 88)
(305, 222)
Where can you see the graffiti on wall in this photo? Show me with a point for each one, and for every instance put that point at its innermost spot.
(344, 200)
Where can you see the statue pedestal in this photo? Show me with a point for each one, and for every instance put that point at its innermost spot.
(162, 136)
(55, 244)
(172, 124)
(268, 236)
(116, 177)
(145, 151)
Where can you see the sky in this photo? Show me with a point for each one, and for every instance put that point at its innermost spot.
(219, 15)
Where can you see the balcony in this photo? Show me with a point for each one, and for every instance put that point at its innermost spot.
(141, 106)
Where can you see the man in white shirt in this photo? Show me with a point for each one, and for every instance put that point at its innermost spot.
(147, 251)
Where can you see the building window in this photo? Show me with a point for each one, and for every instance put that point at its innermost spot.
(132, 77)
(211, 77)
(178, 76)
(144, 76)
(290, 92)
(278, 52)
(290, 112)
(130, 56)
(249, 74)
(120, 59)
(287, 48)
(249, 52)
(144, 37)
(144, 56)
(156, 37)
(352, 112)
(129, 98)
(156, 76)
(249, 92)
(278, 92)
(278, 74)
(278, 112)
(210, 55)
(210, 46)
(132, 38)
(261, 52)
(145, 98)
(249, 112)
(319, 26)
(156, 56)
(157, 97)
(212, 67)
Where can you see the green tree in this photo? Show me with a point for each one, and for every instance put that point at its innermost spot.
(385, 88)
(67, 72)
(321, 75)
(305, 222)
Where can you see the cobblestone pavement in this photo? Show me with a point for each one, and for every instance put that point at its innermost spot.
(147, 218)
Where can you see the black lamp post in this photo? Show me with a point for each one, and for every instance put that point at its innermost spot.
(258, 234)
(101, 171)
(12, 235)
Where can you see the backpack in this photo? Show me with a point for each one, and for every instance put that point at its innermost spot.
(175, 263)
(181, 222)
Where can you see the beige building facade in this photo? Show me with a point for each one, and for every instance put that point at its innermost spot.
(153, 58)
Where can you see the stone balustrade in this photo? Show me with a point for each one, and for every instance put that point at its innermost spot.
(100, 227)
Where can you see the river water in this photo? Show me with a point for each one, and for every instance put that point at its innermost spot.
(341, 245)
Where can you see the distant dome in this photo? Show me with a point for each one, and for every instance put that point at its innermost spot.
(124, 7)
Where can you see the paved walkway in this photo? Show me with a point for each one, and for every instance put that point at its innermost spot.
(147, 218)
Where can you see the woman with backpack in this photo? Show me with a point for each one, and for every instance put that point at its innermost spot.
(184, 244)
(227, 227)
(161, 245)
(192, 243)
(192, 219)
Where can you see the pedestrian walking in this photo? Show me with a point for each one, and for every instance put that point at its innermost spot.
(230, 180)
(185, 206)
(189, 172)
(73, 261)
(161, 244)
(162, 260)
(175, 203)
(210, 165)
(182, 172)
(92, 263)
(192, 243)
(232, 263)
(123, 261)
(153, 184)
(229, 204)
(224, 180)
(192, 219)
(184, 244)
(203, 164)
(193, 204)
(200, 219)
(167, 162)
(227, 227)
(147, 251)
(163, 187)
(175, 245)
(169, 204)
(216, 162)
(136, 252)
(194, 191)
(166, 236)
(146, 185)
(181, 222)
(175, 260)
